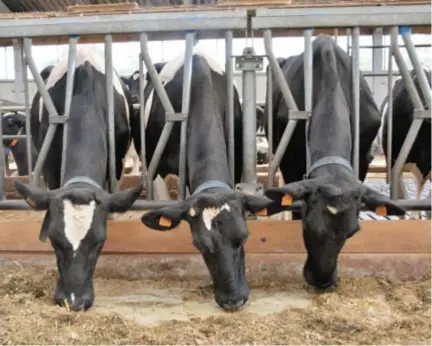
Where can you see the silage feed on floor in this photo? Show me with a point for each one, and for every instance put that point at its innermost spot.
(127, 311)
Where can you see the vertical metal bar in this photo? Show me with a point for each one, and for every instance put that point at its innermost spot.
(142, 120)
(229, 70)
(389, 121)
(291, 104)
(336, 35)
(308, 70)
(26, 101)
(18, 65)
(406, 76)
(166, 132)
(356, 97)
(249, 122)
(416, 123)
(348, 35)
(2, 157)
(50, 107)
(421, 75)
(187, 79)
(377, 56)
(110, 109)
(270, 115)
(68, 99)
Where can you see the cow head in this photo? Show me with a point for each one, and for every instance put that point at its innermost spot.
(330, 215)
(12, 124)
(132, 82)
(75, 223)
(219, 232)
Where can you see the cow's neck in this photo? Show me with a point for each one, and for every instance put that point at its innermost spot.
(86, 153)
(330, 129)
(206, 153)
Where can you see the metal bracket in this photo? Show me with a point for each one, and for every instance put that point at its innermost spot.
(256, 189)
(175, 116)
(422, 114)
(249, 61)
(298, 115)
(58, 119)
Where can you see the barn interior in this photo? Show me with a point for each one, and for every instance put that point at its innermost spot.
(153, 287)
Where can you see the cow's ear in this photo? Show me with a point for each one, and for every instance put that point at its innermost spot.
(380, 203)
(258, 205)
(43, 235)
(36, 197)
(166, 218)
(122, 201)
(286, 195)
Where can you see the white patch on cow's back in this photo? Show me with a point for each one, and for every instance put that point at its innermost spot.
(83, 54)
(169, 70)
(77, 221)
(210, 213)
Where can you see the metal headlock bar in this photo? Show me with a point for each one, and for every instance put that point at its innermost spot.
(222, 23)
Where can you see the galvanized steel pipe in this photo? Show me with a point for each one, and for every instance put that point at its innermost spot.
(186, 91)
(68, 100)
(356, 98)
(229, 72)
(110, 109)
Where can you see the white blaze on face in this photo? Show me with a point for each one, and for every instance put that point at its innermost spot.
(77, 221)
(209, 214)
(83, 54)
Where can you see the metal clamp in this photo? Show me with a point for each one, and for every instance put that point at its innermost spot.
(298, 115)
(58, 119)
(422, 114)
(175, 116)
(249, 61)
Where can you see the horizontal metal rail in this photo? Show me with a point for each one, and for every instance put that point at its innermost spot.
(337, 17)
(13, 109)
(409, 205)
(382, 46)
(228, 19)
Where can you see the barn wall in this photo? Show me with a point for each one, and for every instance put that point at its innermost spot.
(7, 87)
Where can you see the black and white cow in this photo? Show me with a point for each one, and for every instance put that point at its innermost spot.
(14, 124)
(331, 194)
(75, 221)
(419, 158)
(214, 212)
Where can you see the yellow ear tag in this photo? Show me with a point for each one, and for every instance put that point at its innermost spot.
(31, 202)
(262, 212)
(287, 200)
(381, 210)
(163, 221)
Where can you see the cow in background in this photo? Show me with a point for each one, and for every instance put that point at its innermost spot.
(418, 161)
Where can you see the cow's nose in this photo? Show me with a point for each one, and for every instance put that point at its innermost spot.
(76, 303)
(320, 281)
(232, 305)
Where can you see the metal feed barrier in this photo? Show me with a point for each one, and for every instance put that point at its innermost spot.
(217, 23)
